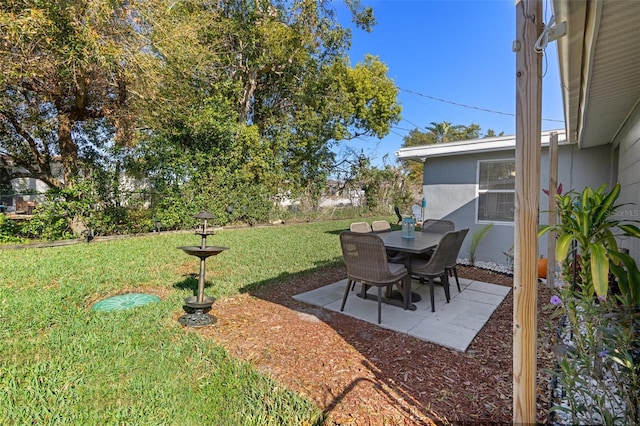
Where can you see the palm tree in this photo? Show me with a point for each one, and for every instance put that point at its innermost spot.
(446, 131)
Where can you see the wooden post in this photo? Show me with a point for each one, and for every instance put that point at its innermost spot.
(553, 185)
(527, 198)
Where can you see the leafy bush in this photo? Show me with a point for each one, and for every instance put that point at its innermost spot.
(476, 238)
(599, 370)
(589, 219)
(62, 210)
(49, 222)
(9, 230)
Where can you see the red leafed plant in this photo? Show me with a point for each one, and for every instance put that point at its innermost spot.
(558, 190)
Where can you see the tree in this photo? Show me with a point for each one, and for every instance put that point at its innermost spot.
(437, 133)
(492, 134)
(246, 94)
(414, 168)
(63, 83)
(442, 133)
(264, 90)
(445, 131)
(382, 187)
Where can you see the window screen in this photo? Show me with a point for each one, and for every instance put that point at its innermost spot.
(496, 190)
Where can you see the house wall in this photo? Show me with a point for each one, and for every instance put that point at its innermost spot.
(626, 155)
(29, 185)
(450, 185)
(30, 189)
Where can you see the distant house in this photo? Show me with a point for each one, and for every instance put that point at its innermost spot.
(24, 192)
(599, 59)
(335, 195)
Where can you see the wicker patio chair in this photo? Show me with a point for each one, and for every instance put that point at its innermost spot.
(438, 225)
(435, 267)
(360, 227)
(452, 261)
(380, 226)
(366, 260)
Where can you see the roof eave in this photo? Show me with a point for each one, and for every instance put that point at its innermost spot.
(473, 146)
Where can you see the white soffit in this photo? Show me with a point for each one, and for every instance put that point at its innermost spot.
(599, 67)
(502, 143)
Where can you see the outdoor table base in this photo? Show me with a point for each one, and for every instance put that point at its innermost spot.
(419, 244)
(397, 295)
(391, 299)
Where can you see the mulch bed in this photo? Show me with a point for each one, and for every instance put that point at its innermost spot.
(361, 374)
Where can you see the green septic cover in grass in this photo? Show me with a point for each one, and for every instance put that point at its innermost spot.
(125, 301)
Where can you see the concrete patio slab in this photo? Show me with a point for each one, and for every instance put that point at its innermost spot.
(453, 324)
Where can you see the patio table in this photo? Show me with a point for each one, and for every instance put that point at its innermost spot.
(419, 244)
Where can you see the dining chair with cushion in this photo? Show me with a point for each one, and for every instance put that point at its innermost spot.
(452, 261)
(360, 227)
(438, 225)
(380, 226)
(435, 267)
(366, 260)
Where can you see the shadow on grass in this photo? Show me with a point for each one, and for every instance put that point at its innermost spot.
(191, 283)
(335, 231)
(284, 277)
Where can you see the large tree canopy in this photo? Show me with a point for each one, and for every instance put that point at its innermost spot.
(222, 104)
(267, 88)
(63, 82)
(258, 89)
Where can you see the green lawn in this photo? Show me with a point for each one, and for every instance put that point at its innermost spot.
(61, 363)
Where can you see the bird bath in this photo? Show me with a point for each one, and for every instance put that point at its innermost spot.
(200, 303)
(202, 253)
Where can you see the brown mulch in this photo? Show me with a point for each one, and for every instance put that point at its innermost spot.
(361, 374)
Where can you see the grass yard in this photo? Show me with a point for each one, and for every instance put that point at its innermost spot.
(61, 363)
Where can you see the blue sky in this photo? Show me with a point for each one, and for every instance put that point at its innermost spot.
(455, 50)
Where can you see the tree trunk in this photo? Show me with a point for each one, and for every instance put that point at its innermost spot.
(68, 148)
(247, 95)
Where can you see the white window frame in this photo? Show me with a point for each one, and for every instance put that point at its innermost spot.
(484, 191)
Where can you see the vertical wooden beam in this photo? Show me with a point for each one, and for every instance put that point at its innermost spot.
(527, 198)
(553, 185)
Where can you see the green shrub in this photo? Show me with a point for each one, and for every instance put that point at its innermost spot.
(49, 222)
(476, 238)
(600, 371)
(9, 230)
